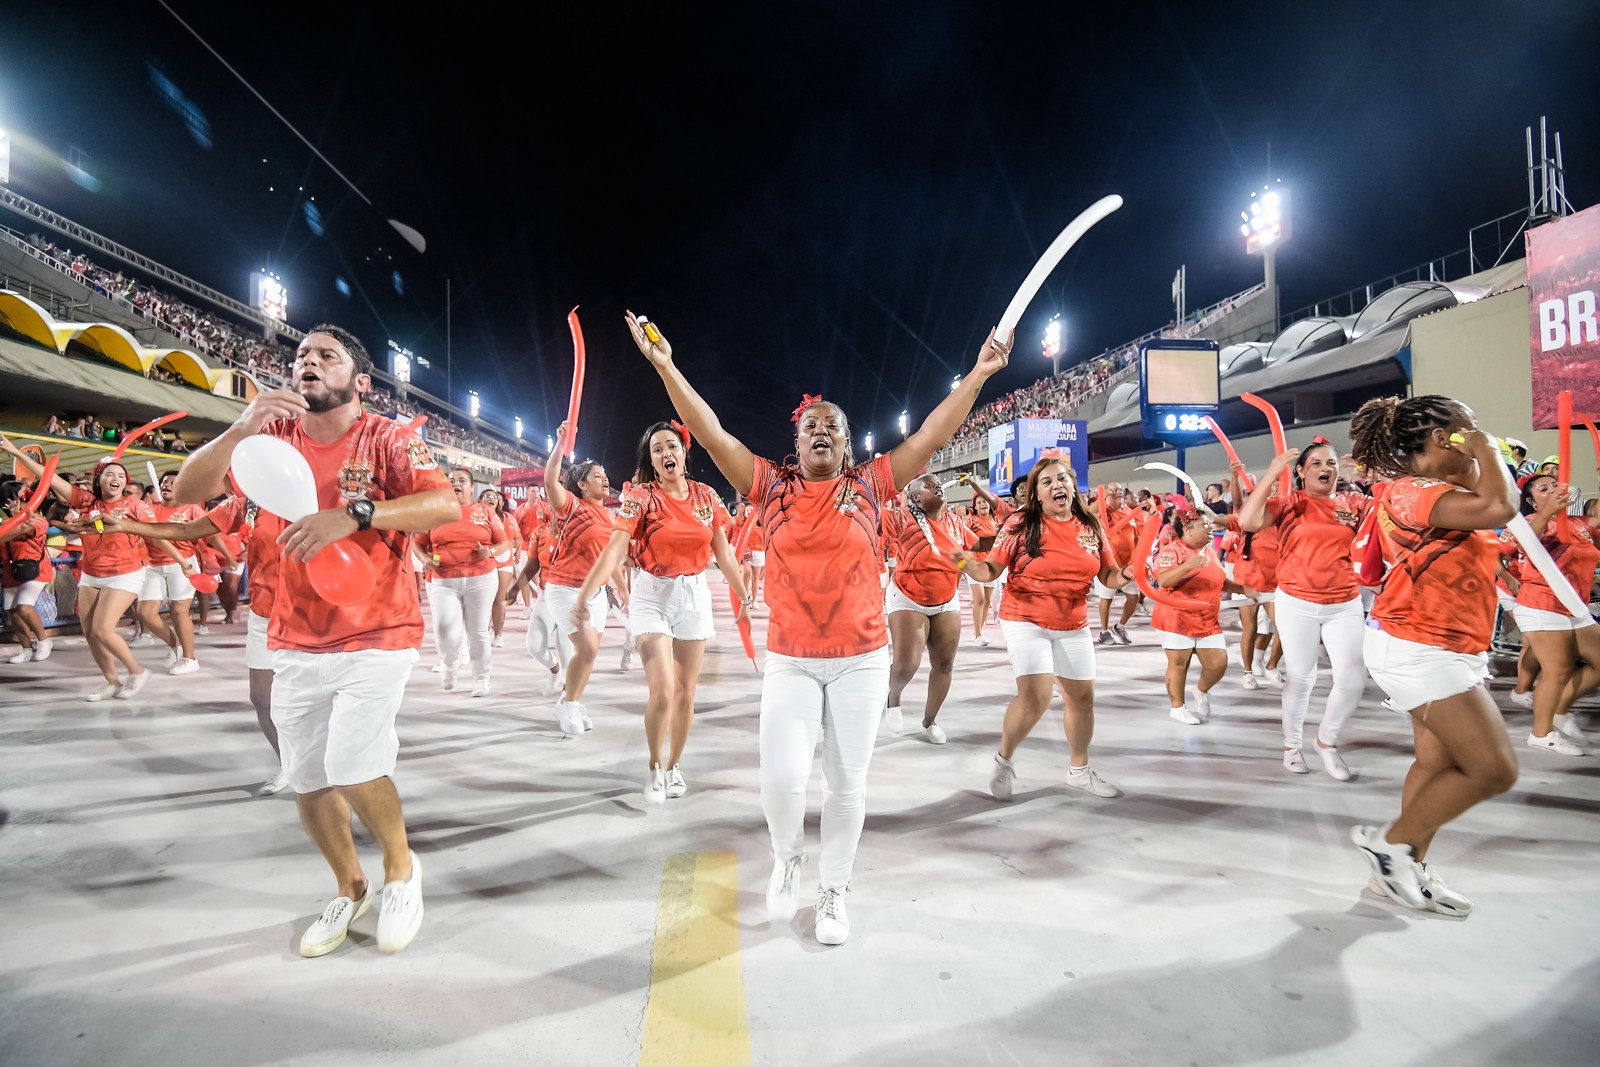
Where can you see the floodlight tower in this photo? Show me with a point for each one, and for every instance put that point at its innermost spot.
(1265, 227)
(1055, 343)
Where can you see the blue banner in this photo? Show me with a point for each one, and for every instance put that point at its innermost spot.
(1015, 447)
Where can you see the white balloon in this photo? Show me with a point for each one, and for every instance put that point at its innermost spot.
(276, 476)
(1047, 262)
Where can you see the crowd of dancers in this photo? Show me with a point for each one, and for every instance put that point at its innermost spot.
(1387, 561)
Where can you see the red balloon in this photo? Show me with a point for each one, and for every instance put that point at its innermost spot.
(341, 574)
(204, 583)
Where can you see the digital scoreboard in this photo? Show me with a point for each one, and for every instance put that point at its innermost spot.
(1180, 383)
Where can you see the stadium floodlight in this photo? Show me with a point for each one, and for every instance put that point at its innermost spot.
(549, 443)
(1265, 226)
(472, 402)
(955, 383)
(516, 425)
(905, 423)
(868, 443)
(1054, 343)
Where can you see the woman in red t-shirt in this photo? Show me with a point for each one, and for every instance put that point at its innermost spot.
(1184, 564)
(1056, 551)
(1255, 571)
(459, 564)
(1556, 639)
(923, 598)
(827, 671)
(25, 571)
(1318, 602)
(984, 522)
(1428, 641)
(505, 561)
(670, 526)
(583, 526)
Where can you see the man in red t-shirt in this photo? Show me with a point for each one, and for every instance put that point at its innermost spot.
(340, 671)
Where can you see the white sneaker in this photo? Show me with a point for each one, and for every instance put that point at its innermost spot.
(184, 666)
(203, 630)
(131, 685)
(449, 681)
(1202, 706)
(1522, 700)
(1105, 638)
(655, 785)
(1554, 742)
(893, 719)
(1567, 726)
(25, 656)
(554, 684)
(498, 642)
(172, 659)
(981, 641)
(676, 786)
(105, 692)
(1259, 669)
(1185, 716)
(1294, 761)
(1002, 778)
(1332, 762)
(401, 914)
(480, 686)
(42, 649)
(570, 717)
(1089, 780)
(1393, 866)
(276, 784)
(142, 641)
(437, 668)
(1275, 676)
(328, 931)
(833, 925)
(1440, 897)
(933, 734)
(1250, 681)
(584, 720)
(627, 657)
(781, 889)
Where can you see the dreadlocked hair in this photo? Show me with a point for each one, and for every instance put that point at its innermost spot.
(1388, 431)
(1033, 513)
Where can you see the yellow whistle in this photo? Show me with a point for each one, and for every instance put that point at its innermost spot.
(436, 560)
(1457, 439)
(99, 527)
(651, 334)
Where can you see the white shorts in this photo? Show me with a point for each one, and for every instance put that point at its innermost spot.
(758, 559)
(25, 595)
(1035, 650)
(167, 582)
(1532, 620)
(132, 582)
(895, 599)
(1178, 642)
(335, 714)
(1105, 592)
(1415, 675)
(257, 657)
(678, 607)
(1507, 602)
(559, 601)
(982, 585)
(236, 569)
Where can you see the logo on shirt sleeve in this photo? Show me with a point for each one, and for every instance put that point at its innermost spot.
(420, 456)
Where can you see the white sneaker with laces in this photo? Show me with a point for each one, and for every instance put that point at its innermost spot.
(25, 656)
(553, 683)
(584, 720)
(833, 925)
(1003, 778)
(480, 686)
(131, 685)
(498, 642)
(655, 785)
(105, 692)
(276, 784)
(933, 734)
(1294, 761)
(142, 641)
(1184, 715)
(449, 681)
(1554, 742)
(893, 719)
(1259, 669)
(1250, 681)
(203, 630)
(401, 915)
(1332, 762)
(42, 649)
(569, 717)
(1275, 676)
(329, 929)
(172, 659)
(1394, 867)
(676, 786)
(1202, 705)
(782, 891)
(1089, 780)
(1567, 726)
(981, 641)
(184, 666)
(1522, 700)
(1440, 897)
(1105, 638)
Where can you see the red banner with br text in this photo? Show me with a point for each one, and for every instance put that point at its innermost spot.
(1564, 314)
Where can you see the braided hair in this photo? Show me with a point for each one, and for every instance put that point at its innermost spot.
(1388, 431)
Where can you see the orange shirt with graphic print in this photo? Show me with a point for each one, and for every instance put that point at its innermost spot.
(1204, 585)
(1051, 589)
(110, 554)
(457, 543)
(1315, 535)
(379, 459)
(1440, 590)
(1258, 568)
(180, 513)
(261, 548)
(582, 529)
(923, 572)
(823, 549)
(668, 537)
(1576, 557)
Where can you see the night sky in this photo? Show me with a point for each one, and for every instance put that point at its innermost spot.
(833, 198)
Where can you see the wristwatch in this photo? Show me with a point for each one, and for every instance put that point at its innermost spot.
(361, 510)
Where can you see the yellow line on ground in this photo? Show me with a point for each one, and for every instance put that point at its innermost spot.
(696, 1014)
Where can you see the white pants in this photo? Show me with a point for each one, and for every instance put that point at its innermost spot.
(1341, 629)
(461, 608)
(836, 701)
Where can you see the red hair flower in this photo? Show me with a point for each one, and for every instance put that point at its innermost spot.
(806, 400)
(683, 431)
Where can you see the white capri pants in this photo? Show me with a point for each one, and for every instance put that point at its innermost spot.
(838, 702)
(25, 595)
(1341, 629)
(461, 608)
(335, 714)
(1036, 650)
(678, 607)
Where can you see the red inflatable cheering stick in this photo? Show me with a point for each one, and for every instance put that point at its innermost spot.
(1247, 482)
(733, 597)
(1564, 455)
(1280, 444)
(577, 381)
(40, 491)
(154, 424)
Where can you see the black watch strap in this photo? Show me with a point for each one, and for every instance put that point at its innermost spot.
(361, 511)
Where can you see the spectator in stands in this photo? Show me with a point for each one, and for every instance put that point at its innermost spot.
(52, 426)
(78, 428)
(1212, 494)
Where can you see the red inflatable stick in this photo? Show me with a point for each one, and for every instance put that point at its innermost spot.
(40, 491)
(1594, 435)
(1280, 443)
(1564, 455)
(153, 424)
(1141, 573)
(1248, 482)
(733, 597)
(417, 423)
(577, 380)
